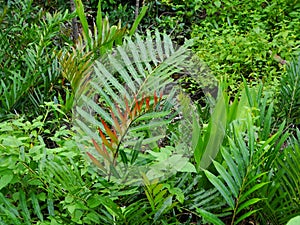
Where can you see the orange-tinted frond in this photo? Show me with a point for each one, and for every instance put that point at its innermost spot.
(96, 162)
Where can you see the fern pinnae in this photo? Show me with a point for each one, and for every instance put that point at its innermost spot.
(106, 99)
(210, 217)
(267, 121)
(143, 52)
(150, 125)
(244, 216)
(243, 148)
(250, 129)
(146, 141)
(238, 158)
(169, 45)
(251, 190)
(24, 207)
(87, 130)
(165, 45)
(204, 198)
(96, 109)
(113, 94)
(221, 188)
(36, 206)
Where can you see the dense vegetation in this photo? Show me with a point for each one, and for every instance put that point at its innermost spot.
(149, 112)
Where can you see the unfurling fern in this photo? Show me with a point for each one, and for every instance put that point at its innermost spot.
(128, 101)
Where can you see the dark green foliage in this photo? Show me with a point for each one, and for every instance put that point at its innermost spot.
(282, 195)
(289, 97)
(244, 165)
(29, 69)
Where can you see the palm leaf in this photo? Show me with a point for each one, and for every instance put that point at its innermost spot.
(290, 92)
(130, 83)
(238, 179)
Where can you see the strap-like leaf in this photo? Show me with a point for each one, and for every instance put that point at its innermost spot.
(225, 192)
(228, 179)
(235, 169)
(210, 217)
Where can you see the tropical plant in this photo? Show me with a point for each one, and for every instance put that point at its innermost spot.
(26, 195)
(92, 43)
(136, 99)
(247, 154)
(29, 69)
(289, 97)
(240, 176)
(282, 202)
(245, 40)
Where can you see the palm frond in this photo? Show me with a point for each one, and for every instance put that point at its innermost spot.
(240, 177)
(283, 195)
(290, 92)
(132, 100)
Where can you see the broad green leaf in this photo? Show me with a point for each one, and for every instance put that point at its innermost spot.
(294, 221)
(6, 179)
(216, 133)
(188, 168)
(93, 201)
(217, 3)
